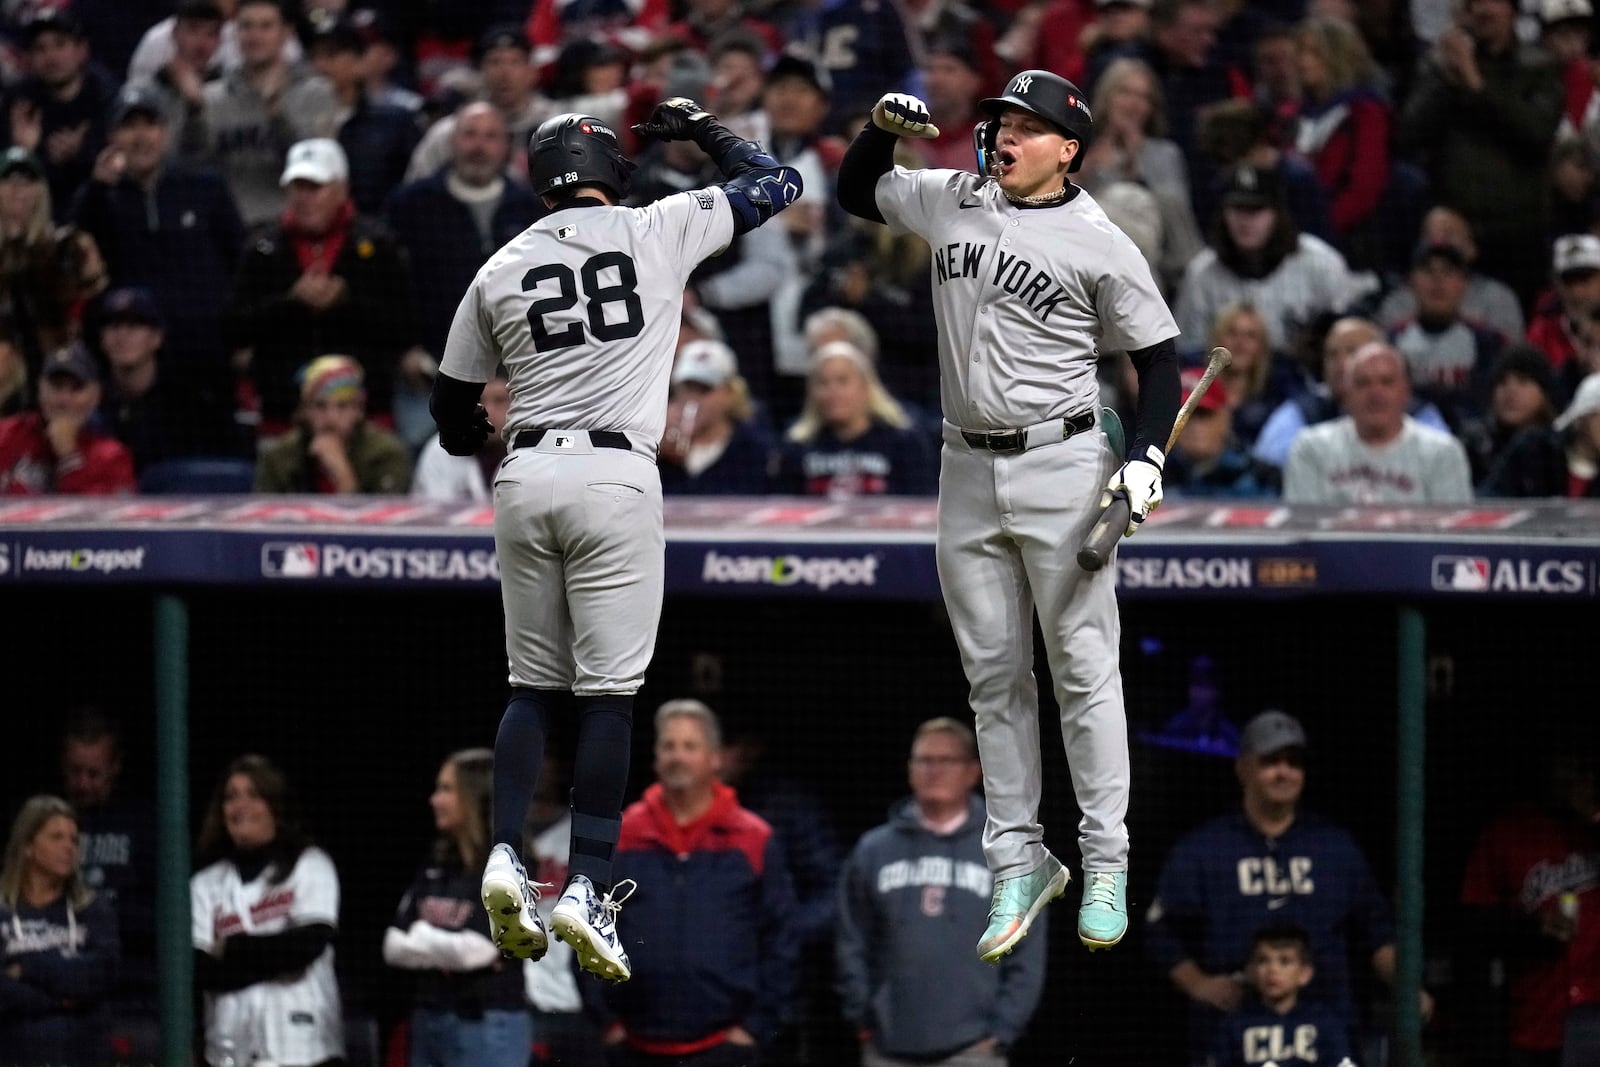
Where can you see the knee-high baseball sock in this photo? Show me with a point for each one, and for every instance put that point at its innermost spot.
(518, 757)
(600, 780)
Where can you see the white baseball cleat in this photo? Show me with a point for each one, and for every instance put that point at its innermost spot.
(512, 903)
(588, 922)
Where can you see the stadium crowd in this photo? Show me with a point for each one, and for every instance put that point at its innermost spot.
(202, 203)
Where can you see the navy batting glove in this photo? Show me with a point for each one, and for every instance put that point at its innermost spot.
(467, 439)
(678, 119)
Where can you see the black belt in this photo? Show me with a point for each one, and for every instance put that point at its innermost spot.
(1016, 440)
(598, 438)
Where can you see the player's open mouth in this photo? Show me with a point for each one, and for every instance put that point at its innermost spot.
(1005, 160)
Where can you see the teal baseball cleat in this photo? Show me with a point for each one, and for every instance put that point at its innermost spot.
(1015, 903)
(1103, 916)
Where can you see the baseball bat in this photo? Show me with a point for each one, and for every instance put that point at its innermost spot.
(1113, 522)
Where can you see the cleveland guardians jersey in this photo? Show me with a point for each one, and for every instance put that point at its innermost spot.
(588, 335)
(1024, 297)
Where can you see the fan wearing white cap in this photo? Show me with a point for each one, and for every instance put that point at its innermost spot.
(1563, 461)
(714, 444)
(319, 279)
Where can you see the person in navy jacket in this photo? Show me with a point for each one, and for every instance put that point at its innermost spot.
(58, 944)
(710, 926)
(1267, 862)
(1277, 1023)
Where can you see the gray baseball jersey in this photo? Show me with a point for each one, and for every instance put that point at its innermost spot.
(1330, 464)
(583, 308)
(1023, 297)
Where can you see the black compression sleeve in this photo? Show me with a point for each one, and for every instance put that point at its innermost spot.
(247, 960)
(869, 157)
(727, 149)
(1159, 395)
(453, 401)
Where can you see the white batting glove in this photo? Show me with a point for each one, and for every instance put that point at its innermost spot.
(904, 116)
(1140, 480)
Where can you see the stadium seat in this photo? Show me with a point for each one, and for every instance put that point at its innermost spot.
(219, 474)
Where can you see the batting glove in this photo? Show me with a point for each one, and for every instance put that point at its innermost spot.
(1139, 480)
(678, 119)
(903, 116)
(467, 438)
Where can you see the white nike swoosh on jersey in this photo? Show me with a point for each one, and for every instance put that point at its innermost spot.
(1276, 902)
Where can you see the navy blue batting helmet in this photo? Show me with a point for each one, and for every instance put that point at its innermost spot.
(1051, 97)
(574, 149)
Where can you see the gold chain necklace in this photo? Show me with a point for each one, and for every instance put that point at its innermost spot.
(1042, 198)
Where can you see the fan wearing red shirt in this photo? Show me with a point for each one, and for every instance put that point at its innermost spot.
(53, 450)
(1534, 883)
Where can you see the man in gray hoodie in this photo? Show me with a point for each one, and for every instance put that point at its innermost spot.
(913, 891)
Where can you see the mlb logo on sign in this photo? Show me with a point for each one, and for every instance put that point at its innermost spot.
(1461, 574)
(289, 559)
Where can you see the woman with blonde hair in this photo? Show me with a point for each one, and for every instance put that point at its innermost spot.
(468, 1007)
(58, 943)
(1131, 145)
(714, 443)
(47, 273)
(1259, 378)
(1344, 125)
(852, 437)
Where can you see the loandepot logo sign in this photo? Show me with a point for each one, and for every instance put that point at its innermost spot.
(83, 560)
(823, 572)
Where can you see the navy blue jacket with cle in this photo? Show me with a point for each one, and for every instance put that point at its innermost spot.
(1306, 1033)
(52, 1009)
(1226, 880)
(910, 903)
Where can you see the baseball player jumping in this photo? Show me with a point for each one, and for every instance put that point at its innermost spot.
(1029, 276)
(583, 309)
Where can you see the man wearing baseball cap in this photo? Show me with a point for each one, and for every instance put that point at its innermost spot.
(54, 450)
(334, 449)
(1208, 460)
(1269, 862)
(713, 444)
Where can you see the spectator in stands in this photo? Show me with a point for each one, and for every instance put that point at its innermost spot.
(334, 449)
(1056, 35)
(881, 56)
(1559, 316)
(1258, 256)
(46, 272)
(713, 443)
(509, 81)
(1563, 461)
(382, 60)
(1276, 68)
(1258, 379)
(911, 891)
(591, 78)
(1488, 300)
(1377, 454)
(467, 1006)
(706, 21)
(160, 43)
(54, 449)
(1531, 897)
(1448, 356)
(956, 22)
(377, 138)
(796, 102)
(179, 85)
(952, 85)
(1522, 396)
(1182, 52)
(117, 856)
(1209, 459)
(321, 279)
(1323, 399)
(1269, 862)
(1275, 1021)
(711, 939)
(1566, 31)
(1130, 145)
(173, 229)
(443, 477)
(1481, 115)
(1343, 129)
(253, 114)
(14, 393)
(1571, 187)
(265, 906)
(158, 416)
(58, 944)
(632, 24)
(853, 438)
(738, 63)
(1238, 132)
(451, 222)
(59, 112)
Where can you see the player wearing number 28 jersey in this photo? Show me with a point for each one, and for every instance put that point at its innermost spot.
(583, 309)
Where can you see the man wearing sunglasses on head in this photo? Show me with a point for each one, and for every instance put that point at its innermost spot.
(1268, 863)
